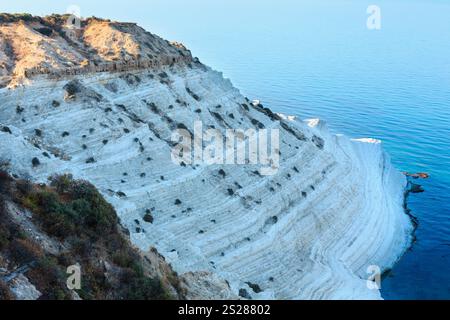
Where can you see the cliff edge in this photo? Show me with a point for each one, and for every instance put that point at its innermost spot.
(331, 211)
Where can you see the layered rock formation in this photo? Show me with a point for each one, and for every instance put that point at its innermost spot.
(334, 208)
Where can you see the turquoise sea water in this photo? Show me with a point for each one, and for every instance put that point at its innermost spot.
(318, 59)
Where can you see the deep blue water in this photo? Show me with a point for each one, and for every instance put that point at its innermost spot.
(318, 59)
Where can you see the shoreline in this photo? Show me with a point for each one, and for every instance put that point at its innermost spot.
(415, 223)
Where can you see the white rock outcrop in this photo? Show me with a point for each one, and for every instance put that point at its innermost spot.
(334, 208)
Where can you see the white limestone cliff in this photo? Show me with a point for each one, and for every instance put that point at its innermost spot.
(334, 208)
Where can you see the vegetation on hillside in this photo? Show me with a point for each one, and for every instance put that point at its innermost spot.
(75, 214)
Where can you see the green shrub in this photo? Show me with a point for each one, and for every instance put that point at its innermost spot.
(50, 278)
(4, 241)
(5, 182)
(7, 17)
(76, 208)
(122, 259)
(45, 31)
(24, 16)
(74, 211)
(57, 218)
(61, 183)
(98, 215)
(31, 202)
(139, 287)
(25, 187)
